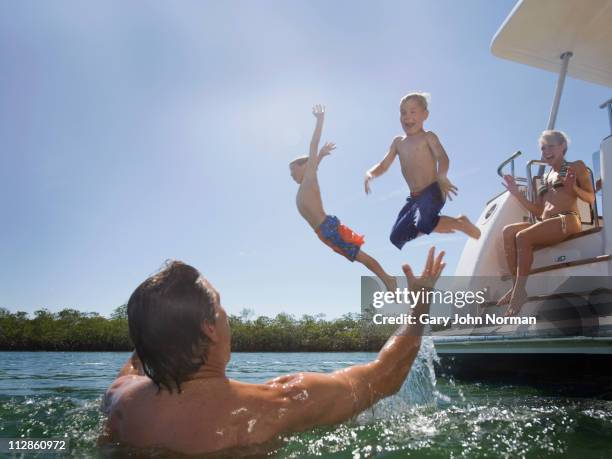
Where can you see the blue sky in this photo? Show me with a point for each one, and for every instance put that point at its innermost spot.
(135, 132)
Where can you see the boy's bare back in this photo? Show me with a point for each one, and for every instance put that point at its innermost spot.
(308, 201)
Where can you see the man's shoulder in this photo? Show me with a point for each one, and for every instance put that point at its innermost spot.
(122, 386)
(132, 381)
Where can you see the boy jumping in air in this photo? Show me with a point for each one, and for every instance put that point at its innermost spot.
(424, 166)
(329, 229)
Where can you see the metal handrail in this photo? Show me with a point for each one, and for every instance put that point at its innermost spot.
(511, 161)
(530, 190)
(594, 206)
(608, 103)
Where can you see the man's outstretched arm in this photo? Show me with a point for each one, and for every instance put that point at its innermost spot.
(322, 399)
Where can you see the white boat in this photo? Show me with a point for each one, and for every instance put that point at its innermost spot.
(570, 286)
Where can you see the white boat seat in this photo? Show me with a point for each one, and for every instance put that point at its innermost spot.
(582, 233)
(566, 264)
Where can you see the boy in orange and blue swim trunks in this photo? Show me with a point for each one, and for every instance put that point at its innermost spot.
(328, 227)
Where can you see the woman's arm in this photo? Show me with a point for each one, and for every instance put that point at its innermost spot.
(580, 180)
(535, 208)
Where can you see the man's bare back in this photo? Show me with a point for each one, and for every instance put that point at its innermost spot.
(213, 413)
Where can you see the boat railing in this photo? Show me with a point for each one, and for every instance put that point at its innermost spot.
(608, 104)
(531, 191)
(533, 198)
(510, 160)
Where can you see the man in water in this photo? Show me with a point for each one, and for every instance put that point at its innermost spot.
(173, 393)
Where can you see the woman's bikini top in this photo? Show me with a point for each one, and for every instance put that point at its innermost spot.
(543, 188)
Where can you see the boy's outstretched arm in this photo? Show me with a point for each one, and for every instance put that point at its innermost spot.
(325, 151)
(313, 160)
(441, 157)
(382, 167)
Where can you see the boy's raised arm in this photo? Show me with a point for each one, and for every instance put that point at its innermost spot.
(441, 157)
(313, 160)
(382, 167)
(325, 150)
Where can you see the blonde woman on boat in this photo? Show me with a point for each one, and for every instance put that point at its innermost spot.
(557, 207)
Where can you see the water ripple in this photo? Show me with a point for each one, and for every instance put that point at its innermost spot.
(58, 394)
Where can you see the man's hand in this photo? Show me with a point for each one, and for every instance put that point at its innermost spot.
(319, 112)
(368, 178)
(326, 149)
(447, 187)
(511, 185)
(431, 272)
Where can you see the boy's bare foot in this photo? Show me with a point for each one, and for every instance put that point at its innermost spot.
(468, 227)
(516, 303)
(506, 298)
(390, 283)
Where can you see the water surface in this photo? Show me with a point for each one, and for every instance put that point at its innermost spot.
(57, 394)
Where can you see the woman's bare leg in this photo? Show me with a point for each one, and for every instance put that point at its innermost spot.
(548, 232)
(510, 252)
(375, 267)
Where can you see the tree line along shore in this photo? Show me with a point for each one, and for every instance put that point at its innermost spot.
(72, 330)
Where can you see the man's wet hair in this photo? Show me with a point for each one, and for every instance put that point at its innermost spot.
(165, 315)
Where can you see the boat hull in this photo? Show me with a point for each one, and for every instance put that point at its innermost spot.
(573, 366)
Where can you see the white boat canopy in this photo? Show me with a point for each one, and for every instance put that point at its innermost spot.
(538, 32)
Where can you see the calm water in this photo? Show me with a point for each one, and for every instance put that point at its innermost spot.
(52, 394)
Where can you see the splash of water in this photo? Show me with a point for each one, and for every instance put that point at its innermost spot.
(419, 390)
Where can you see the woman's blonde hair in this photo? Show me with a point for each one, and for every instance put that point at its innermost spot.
(559, 137)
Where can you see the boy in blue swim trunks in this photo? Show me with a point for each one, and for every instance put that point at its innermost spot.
(424, 166)
(329, 229)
